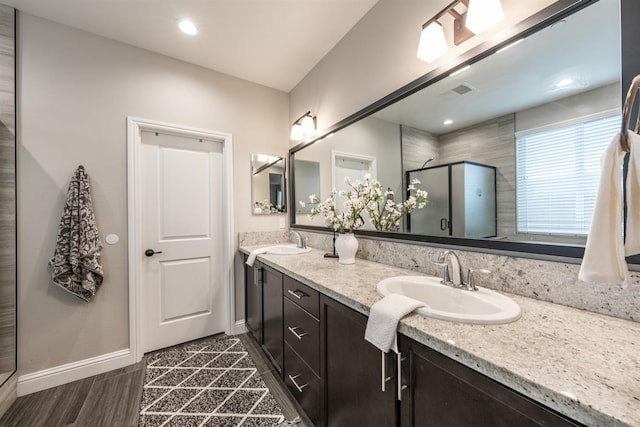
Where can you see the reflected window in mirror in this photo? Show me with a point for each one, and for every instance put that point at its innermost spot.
(268, 194)
(565, 74)
(558, 171)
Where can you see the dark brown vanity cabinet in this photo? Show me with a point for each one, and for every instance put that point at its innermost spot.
(302, 347)
(272, 316)
(339, 379)
(263, 309)
(440, 392)
(359, 382)
(253, 300)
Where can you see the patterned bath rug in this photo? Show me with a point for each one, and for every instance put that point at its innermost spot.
(204, 383)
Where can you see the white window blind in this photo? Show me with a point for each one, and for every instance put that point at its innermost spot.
(557, 173)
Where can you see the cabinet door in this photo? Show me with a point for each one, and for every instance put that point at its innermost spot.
(352, 371)
(253, 300)
(441, 392)
(272, 315)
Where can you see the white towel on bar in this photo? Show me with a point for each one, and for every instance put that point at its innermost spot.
(604, 253)
(253, 254)
(384, 317)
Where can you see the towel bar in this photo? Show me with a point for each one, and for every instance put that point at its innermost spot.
(626, 113)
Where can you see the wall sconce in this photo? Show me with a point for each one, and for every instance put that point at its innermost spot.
(479, 16)
(303, 127)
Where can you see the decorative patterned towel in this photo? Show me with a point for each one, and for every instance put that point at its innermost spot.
(76, 261)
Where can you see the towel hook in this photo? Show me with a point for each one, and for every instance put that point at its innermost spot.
(626, 113)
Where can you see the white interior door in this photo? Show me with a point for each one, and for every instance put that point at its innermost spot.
(181, 206)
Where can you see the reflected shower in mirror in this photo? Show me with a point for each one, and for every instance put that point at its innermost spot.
(536, 113)
(267, 184)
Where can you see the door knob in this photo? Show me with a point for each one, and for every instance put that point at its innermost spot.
(151, 252)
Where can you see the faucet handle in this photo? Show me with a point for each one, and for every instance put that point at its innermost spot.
(446, 279)
(470, 285)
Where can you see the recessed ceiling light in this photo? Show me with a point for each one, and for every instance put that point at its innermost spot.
(447, 122)
(564, 82)
(188, 27)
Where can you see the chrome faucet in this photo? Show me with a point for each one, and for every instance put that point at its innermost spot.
(300, 240)
(456, 269)
(455, 279)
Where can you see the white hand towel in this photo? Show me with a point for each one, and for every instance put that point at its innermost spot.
(632, 238)
(384, 318)
(253, 254)
(603, 260)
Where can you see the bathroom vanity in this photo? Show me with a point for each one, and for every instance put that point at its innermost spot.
(556, 366)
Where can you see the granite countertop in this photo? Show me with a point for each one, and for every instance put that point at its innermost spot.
(582, 364)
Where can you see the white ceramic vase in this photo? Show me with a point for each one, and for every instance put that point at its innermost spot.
(346, 246)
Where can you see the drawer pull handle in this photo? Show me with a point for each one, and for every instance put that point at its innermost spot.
(401, 387)
(293, 331)
(297, 293)
(293, 380)
(385, 378)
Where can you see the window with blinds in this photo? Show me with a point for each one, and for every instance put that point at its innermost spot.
(557, 172)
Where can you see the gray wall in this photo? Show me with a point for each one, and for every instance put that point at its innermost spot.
(76, 90)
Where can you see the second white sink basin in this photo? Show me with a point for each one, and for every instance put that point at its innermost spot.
(287, 250)
(443, 302)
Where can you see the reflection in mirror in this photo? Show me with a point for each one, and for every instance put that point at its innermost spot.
(267, 184)
(537, 114)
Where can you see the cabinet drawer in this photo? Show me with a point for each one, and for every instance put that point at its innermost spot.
(304, 296)
(302, 333)
(303, 384)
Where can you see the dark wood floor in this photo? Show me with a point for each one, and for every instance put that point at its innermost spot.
(112, 399)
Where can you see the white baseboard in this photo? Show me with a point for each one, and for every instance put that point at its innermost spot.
(239, 328)
(58, 375)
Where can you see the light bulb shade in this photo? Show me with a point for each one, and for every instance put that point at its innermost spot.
(433, 43)
(296, 132)
(483, 14)
(308, 125)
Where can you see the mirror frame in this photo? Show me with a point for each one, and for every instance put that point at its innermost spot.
(630, 54)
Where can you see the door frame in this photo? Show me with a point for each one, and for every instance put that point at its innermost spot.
(335, 155)
(135, 126)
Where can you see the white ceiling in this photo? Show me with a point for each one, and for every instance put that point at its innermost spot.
(271, 42)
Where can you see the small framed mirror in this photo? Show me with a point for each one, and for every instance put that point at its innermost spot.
(268, 184)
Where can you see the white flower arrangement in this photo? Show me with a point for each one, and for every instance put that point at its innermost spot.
(369, 196)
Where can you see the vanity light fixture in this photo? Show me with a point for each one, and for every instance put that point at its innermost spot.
(433, 43)
(303, 127)
(188, 27)
(479, 16)
(483, 14)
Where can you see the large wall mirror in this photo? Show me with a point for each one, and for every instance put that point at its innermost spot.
(268, 194)
(507, 144)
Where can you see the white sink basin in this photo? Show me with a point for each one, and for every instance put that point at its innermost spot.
(287, 250)
(443, 302)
